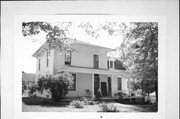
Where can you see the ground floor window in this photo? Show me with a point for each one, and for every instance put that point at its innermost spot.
(119, 83)
(73, 82)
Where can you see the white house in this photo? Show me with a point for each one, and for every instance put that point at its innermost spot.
(90, 66)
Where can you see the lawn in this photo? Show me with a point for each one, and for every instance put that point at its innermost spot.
(45, 105)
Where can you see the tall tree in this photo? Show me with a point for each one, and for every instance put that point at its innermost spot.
(141, 54)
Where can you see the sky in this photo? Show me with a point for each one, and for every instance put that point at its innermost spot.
(32, 44)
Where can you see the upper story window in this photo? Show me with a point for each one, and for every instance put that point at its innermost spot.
(47, 59)
(96, 61)
(115, 64)
(68, 56)
(119, 65)
(119, 83)
(110, 64)
(39, 65)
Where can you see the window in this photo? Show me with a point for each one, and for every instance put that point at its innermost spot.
(73, 83)
(47, 62)
(119, 83)
(68, 58)
(108, 64)
(39, 64)
(96, 61)
(111, 64)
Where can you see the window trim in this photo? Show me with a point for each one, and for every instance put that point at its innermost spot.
(109, 64)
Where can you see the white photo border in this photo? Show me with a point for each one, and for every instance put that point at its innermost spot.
(18, 114)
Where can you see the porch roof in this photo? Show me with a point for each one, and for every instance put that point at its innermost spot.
(78, 69)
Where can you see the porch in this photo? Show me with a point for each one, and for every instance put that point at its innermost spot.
(93, 79)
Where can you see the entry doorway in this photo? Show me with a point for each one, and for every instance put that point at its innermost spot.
(96, 83)
(104, 89)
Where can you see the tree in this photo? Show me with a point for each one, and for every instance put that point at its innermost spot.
(57, 86)
(56, 36)
(141, 54)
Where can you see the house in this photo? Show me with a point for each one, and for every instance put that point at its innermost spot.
(90, 66)
(28, 80)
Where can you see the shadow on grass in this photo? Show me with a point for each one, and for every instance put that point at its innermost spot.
(148, 108)
(45, 102)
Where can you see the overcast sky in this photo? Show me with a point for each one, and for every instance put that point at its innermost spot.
(29, 62)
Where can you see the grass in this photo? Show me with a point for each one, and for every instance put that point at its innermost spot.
(46, 105)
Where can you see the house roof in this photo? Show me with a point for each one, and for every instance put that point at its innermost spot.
(28, 77)
(78, 69)
(34, 55)
(78, 43)
(91, 45)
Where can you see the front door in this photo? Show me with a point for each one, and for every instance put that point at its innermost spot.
(109, 86)
(104, 88)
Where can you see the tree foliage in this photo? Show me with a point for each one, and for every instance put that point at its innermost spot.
(57, 86)
(57, 36)
(141, 54)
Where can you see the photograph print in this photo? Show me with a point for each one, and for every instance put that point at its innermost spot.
(89, 65)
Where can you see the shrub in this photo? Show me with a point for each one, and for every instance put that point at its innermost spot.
(91, 103)
(33, 90)
(88, 101)
(108, 108)
(57, 86)
(77, 104)
(85, 100)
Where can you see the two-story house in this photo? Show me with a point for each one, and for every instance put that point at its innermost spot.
(90, 66)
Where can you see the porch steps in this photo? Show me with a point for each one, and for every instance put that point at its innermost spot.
(107, 99)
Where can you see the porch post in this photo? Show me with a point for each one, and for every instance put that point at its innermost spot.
(112, 85)
(92, 85)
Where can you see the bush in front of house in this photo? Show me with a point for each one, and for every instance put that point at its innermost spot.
(57, 86)
(88, 101)
(108, 108)
(77, 104)
(32, 91)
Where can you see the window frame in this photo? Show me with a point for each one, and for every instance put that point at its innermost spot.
(94, 66)
(74, 80)
(39, 67)
(66, 62)
(119, 83)
(111, 65)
